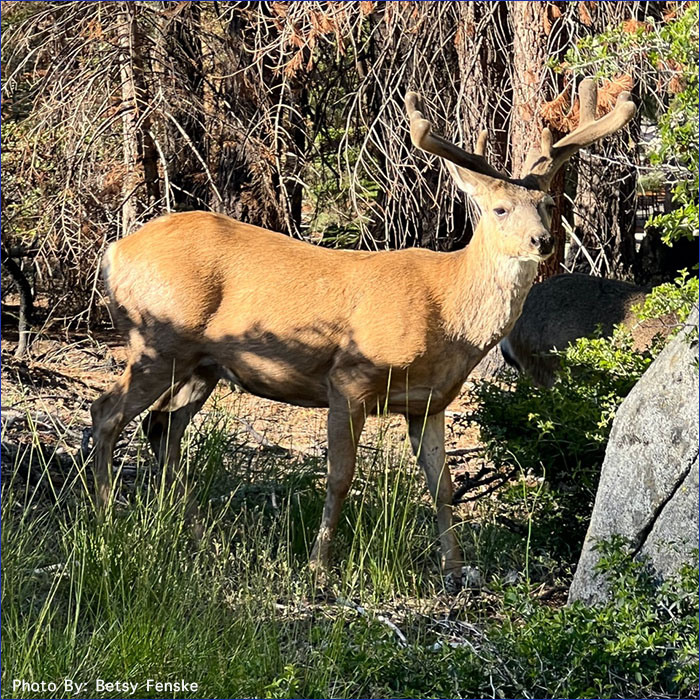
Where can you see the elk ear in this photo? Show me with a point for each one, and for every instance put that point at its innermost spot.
(467, 180)
(463, 178)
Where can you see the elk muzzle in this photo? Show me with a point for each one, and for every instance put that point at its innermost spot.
(543, 243)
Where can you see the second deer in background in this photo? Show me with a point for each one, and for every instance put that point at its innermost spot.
(567, 307)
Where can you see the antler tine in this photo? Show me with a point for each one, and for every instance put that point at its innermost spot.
(588, 101)
(589, 130)
(480, 149)
(423, 138)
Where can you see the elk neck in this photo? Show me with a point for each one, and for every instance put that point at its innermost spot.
(487, 293)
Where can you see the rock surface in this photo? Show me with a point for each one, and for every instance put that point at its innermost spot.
(648, 491)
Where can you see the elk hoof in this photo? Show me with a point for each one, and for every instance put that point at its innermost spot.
(462, 577)
(453, 581)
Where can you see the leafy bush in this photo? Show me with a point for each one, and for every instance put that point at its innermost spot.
(561, 433)
(677, 297)
(643, 643)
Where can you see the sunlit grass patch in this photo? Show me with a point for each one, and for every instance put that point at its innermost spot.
(135, 596)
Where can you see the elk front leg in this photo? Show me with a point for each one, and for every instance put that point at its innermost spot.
(345, 424)
(427, 434)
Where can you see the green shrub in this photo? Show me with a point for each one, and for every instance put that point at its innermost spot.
(677, 297)
(560, 434)
(643, 643)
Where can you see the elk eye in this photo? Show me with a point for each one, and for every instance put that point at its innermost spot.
(500, 212)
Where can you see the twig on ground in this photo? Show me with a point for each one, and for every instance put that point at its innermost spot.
(485, 476)
(402, 641)
(260, 439)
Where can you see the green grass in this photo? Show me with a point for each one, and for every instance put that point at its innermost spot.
(133, 597)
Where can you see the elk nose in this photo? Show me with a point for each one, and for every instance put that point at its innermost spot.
(544, 242)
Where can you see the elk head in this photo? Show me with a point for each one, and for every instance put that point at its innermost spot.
(516, 213)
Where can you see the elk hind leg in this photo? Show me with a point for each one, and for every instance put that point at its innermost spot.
(166, 423)
(141, 383)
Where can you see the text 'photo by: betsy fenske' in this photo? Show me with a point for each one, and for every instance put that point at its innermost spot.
(71, 687)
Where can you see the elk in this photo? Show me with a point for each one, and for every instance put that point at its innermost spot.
(202, 297)
(570, 306)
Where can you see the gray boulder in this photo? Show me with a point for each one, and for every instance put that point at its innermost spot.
(648, 491)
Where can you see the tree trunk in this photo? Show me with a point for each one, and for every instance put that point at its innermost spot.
(183, 53)
(604, 218)
(538, 34)
(605, 201)
(140, 190)
(247, 169)
(26, 302)
(482, 37)
(482, 40)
